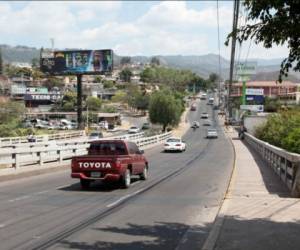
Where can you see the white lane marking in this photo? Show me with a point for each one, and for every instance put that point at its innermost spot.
(42, 192)
(64, 186)
(118, 201)
(124, 197)
(20, 198)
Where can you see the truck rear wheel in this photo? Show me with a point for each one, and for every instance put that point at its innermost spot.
(144, 175)
(126, 179)
(85, 184)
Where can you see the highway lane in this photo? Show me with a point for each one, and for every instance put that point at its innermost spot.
(35, 209)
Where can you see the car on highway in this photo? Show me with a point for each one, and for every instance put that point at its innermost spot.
(146, 125)
(174, 144)
(193, 107)
(203, 96)
(195, 124)
(211, 133)
(204, 115)
(95, 135)
(133, 130)
(110, 161)
(207, 122)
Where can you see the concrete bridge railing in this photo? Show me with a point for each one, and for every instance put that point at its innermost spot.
(38, 155)
(285, 164)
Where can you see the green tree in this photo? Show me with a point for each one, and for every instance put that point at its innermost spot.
(52, 81)
(11, 115)
(107, 84)
(164, 109)
(125, 75)
(120, 96)
(273, 22)
(93, 103)
(98, 79)
(69, 101)
(155, 61)
(271, 105)
(125, 60)
(35, 63)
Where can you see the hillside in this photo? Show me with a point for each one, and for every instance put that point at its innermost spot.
(202, 65)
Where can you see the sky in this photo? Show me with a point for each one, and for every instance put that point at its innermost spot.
(128, 27)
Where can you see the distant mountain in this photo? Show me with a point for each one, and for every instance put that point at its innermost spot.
(21, 54)
(203, 65)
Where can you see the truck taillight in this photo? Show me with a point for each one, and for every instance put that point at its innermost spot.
(118, 164)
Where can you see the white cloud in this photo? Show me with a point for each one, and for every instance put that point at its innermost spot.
(166, 28)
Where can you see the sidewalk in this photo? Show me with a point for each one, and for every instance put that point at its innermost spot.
(258, 212)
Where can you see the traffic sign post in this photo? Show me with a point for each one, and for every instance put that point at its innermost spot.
(244, 71)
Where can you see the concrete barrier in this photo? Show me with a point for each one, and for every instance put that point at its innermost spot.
(285, 164)
(39, 154)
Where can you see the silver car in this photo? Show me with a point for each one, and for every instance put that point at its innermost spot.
(212, 133)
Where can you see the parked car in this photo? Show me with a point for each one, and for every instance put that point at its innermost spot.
(212, 133)
(110, 160)
(174, 144)
(95, 135)
(133, 130)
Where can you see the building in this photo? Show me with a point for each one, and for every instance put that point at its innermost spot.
(285, 91)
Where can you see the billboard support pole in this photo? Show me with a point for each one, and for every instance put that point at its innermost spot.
(79, 102)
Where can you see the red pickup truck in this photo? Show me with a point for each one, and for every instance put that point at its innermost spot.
(110, 160)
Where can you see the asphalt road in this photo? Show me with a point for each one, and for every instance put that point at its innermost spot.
(173, 209)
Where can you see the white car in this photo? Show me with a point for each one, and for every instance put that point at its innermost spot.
(133, 130)
(174, 144)
(204, 115)
(212, 133)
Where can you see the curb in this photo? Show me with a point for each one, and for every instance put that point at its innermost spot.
(214, 233)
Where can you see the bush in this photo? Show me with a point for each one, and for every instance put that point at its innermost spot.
(282, 130)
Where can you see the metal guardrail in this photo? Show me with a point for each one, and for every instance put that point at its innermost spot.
(285, 164)
(58, 152)
(8, 141)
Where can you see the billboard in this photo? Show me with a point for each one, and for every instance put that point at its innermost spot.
(73, 62)
(246, 69)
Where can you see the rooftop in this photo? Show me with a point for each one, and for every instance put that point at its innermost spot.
(267, 84)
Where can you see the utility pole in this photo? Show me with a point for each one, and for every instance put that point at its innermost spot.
(233, 43)
(79, 101)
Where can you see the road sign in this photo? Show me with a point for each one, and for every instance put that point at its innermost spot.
(246, 69)
(254, 108)
(254, 91)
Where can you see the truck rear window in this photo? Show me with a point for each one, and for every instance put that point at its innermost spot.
(107, 148)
